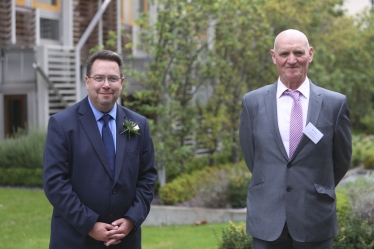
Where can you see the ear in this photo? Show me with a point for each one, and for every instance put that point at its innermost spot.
(87, 82)
(272, 52)
(122, 81)
(311, 53)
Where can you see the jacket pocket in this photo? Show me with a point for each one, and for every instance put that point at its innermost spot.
(325, 191)
(251, 185)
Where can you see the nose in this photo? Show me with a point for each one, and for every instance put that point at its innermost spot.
(106, 83)
(292, 60)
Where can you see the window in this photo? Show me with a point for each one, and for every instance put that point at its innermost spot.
(49, 29)
(15, 113)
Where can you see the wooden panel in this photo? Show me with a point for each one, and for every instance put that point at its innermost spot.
(25, 26)
(83, 12)
(5, 30)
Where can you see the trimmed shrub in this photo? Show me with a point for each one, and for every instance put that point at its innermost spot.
(184, 187)
(238, 186)
(24, 151)
(361, 195)
(21, 159)
(235, 237)
(208, 186)
(362, 149)
(21, 177)
(343, 208)
(212, 192)
(369, 158)
(354, 234)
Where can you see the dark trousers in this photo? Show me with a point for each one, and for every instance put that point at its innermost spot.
(285, 241)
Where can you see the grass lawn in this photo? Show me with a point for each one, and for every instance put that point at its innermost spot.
(25, 224)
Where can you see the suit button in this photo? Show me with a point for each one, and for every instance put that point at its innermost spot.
(288, 189)
(111, 216)
(113, 191)
(289, 165)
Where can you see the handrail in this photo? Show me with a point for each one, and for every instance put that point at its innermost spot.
(50, 84)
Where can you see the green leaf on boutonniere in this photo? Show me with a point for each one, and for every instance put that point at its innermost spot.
(131, 127)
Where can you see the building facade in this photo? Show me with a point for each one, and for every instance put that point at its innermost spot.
(43, 48)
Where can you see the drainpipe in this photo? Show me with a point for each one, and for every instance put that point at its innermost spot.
(81, 43)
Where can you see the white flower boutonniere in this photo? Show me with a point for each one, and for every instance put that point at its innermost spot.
(131, 127)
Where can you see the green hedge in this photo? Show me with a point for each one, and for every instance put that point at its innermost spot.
(21, 159)
(184, 187)
(21, 177)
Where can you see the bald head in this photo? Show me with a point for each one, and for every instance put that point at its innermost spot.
(292, 55)
(288, 34)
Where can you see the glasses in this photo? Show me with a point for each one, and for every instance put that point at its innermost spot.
(101, 78)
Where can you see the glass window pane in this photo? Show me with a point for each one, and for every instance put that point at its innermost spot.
(49, 2)
(49, 29)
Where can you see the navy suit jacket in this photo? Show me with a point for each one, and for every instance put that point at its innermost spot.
(78, 180)
(299, 190)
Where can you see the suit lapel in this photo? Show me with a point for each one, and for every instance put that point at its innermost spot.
(120, 142)
(315, 103)
(89, 125)
(270, 100)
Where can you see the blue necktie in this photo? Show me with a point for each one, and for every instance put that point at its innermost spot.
(108, 142)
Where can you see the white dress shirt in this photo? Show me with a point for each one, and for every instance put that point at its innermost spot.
(284, 105)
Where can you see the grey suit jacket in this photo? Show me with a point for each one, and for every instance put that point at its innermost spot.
(299, 190)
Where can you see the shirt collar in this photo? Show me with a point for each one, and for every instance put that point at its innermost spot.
(304, 88)
(98, 114)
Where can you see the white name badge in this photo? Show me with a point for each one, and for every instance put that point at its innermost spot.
(313, 133)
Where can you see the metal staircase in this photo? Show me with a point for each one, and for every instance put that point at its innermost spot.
(59, 74)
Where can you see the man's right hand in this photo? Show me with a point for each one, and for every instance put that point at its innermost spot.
(99, 232)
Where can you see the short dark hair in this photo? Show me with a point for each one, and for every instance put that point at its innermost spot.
(104, 55)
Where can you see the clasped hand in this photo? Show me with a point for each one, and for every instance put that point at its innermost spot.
(111, 234)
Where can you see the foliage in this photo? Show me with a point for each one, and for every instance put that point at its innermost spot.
(343, 207)
(184, 187)
(208, 186)
(238, 187)
(206, 54)
(369, 158)
(21, 177)
(213, 191)
(176, 72)
(361, 194)
(24, 151)
(235, 237)
(354, 234)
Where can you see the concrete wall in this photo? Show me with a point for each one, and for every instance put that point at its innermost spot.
(171, 215)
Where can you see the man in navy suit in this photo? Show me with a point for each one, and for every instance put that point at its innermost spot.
(296, 141)
(100, 196)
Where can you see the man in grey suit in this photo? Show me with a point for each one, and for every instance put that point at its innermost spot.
(296, 141)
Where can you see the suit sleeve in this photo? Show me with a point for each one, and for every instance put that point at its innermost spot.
(342, 150)
(246, 136)
(56, 181)
(146, 180)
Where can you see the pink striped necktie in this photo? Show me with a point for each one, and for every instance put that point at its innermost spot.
(296, 120)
